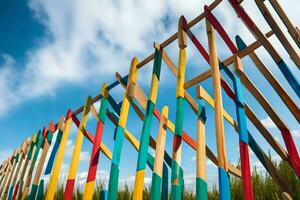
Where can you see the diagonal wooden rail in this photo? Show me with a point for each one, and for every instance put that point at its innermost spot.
(22, 175)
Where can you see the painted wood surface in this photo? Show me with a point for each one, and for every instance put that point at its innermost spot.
(286, 99)
(193, 104)
(38, 146)
(25, 182)
(119, 135)
(14, 161)
(278, 32)
(76, 151)
(186, 137)
(205, 75)
(59, 157)
(284, 68)
(90, 182)
(18, 190)
(240, 108)
(224, 185)
(24, 149)
(264, 159)
(145, 134)
(294, 31)
(155, 192)
(201, 184)
(38, 172)
(249, 113)
(177, 176)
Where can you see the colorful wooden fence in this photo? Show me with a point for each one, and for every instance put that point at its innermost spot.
(21, 174)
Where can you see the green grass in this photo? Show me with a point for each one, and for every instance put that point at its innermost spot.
(263, 186)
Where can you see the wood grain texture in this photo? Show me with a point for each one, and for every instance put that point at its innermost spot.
(11, 173)
(255, 30)
(232, 169)
(268, 164)
(160, 142)
(201, 150)
(219, 124)
(286, 99)
(278, 32)
(228, 61)
(193, 104)
(59, 157)
(285, 132)
(294, 32)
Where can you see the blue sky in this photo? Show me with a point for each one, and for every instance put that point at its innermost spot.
(53, 54)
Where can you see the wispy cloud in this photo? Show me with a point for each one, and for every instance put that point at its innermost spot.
(84, 40)
(84, 155)
(95, 38)
(268, 123)
(296, 133)
(208, 162)
(4, 155)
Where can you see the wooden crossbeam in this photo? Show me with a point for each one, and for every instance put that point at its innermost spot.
(145, 134)
(285, 132)
(267, 162)
(294, 32)
(201, 184)
(76, 151)
(233, 170)
(24, 150)
(283, 67)
(157, 173)
(38, 147)
(242, 53)
(286, 99)
(15, 159)
(19, 187)
(12, 175)
(221, 65)
(278, 32)
(224, 182)
(114, 171)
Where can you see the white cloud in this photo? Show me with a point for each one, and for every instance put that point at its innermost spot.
(69, 148)
(73, 130)
(84, 40)
(97, 105)
(101, 176)
(65, 168)
(268, 123)
(296, 133)
(276, 138)
(96, 39)
(84, 155)
(130, 181)
(208, 162)
(193, 158)
(4, 155)
(189, 180)
(152, 152)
